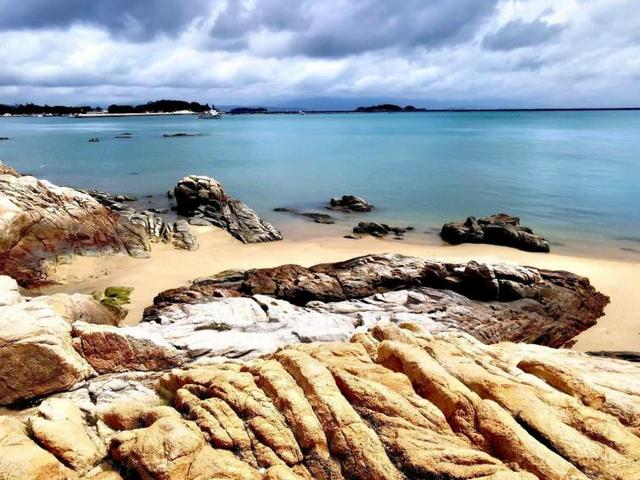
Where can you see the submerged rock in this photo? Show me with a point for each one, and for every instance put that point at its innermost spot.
(42, 223)
(204, 197)
(499, 229)
(350, 203)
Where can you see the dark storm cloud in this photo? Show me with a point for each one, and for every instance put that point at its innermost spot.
(336, 28)
(518, 34)
(132, 19)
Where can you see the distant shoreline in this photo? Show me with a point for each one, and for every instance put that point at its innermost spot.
(325, 112)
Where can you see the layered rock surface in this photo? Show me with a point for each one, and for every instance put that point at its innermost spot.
(204, 200)
(393, 403)
(40, 223)
(328, 301)
(499, 229)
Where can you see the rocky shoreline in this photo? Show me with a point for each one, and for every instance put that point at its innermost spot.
(379, 367)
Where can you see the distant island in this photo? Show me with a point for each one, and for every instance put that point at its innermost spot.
(247, 110)
(389, 108)
(157, 106)
(161, 106)
(181, 107)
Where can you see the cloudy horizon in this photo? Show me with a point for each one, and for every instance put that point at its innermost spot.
(330, 54)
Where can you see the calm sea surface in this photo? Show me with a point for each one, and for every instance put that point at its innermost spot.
(573, 176)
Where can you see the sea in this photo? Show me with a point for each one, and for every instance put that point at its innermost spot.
(572, 176)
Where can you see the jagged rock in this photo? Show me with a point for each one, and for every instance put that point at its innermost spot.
(41, 223)
(205, 197)
(377, 229)
(21, 458)
(183, 237)
(350, 203)
(499, 229)
(492, 302)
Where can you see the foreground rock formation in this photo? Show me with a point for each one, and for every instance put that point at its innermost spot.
(42, 224)
(394, 403)
(204, 200)
(499, 229)
(245, 313)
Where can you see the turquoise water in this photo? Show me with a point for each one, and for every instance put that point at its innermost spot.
(572, 176)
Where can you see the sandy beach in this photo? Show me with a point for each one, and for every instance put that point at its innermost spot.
(619, 329)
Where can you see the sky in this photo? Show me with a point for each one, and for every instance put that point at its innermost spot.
(322, 53)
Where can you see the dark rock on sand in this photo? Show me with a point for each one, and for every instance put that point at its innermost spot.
(377, 229)
(499, 229)
(492, 302)
(204, 197)
(350, 203)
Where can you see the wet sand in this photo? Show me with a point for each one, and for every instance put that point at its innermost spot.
(619, 329)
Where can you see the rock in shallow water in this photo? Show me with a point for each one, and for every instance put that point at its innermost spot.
(204, 197)
(499, 229)
(350, 203)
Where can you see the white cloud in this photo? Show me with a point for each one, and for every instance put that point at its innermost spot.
(522, 52)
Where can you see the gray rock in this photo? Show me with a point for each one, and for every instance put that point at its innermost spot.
(205, 195)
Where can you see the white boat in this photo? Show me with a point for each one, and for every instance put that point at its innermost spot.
(301, 112)
(210, 115)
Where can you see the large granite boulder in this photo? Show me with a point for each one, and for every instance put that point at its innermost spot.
(36, 353)
(204, 198)
(499, 229)
(41, 223)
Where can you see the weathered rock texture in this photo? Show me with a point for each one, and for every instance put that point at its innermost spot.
(158, 230)
(36, 349)
(499, 229)
(394, 403)
(327, 302)
(204, 199)
(40, 223)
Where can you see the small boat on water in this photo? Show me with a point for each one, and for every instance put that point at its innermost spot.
(210, 115)
(301, 112)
